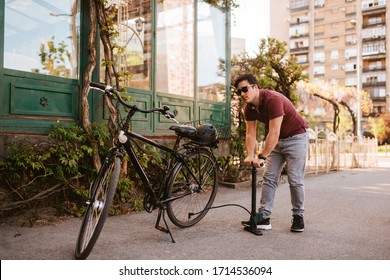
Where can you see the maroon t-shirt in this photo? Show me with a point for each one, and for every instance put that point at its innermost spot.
(273, 105)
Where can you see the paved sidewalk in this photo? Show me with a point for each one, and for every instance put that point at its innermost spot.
(347, 217)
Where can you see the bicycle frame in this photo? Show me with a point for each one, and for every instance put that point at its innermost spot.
(140, 170)
(137, 165)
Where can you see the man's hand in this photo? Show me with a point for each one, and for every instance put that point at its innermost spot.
(256, 162)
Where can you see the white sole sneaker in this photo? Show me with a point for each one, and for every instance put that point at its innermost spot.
(264, 227)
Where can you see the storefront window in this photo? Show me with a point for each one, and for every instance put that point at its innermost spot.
(42, 37)
(133, 57)
(175, 47)
(211, 50)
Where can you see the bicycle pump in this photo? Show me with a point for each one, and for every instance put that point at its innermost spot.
(254, 218)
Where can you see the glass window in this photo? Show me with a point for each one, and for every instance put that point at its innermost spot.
(302, 58)
(351, 39)
(319, 70)
(334, 54)
(319, 57)
(211, 50)
(295, 4)
(319, 42)
(42, 37)
(175, 57)
(334, 67)
(350, 81)
(133, 58)
(319, 3)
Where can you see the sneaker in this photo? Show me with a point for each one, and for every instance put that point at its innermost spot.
(298, 224)
(263, 224)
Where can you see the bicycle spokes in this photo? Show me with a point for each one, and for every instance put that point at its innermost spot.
(102, 193)
(192, 189)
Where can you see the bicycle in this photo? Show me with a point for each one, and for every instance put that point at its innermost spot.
(188, 187)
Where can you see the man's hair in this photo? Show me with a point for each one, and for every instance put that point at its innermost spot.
(246, 77)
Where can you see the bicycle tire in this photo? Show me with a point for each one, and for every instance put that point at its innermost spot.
(196, 198)
(102, 194)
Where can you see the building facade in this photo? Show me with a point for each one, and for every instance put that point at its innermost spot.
(343, 42)
(170, 52)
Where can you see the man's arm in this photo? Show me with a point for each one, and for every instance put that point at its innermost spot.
(250, 141)
(272, 138)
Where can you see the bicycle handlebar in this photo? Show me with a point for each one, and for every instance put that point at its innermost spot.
(109, 90)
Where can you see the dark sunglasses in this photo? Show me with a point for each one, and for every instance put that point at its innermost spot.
(243, 89)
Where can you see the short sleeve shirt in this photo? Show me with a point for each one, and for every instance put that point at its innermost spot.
(274, 105)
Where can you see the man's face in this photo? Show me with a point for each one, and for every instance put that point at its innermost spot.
(247, 91)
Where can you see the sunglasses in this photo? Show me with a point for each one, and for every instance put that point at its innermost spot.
(243, 89)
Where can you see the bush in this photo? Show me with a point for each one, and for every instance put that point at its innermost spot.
(59, 172)
(56, 173)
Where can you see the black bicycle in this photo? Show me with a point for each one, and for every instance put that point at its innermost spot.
(188, 187)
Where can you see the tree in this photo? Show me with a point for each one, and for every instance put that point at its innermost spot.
(100, 15)
(335, 95)
(220, 4)
(386, 118)
(378, 128)
(53, 58)
(85, 121)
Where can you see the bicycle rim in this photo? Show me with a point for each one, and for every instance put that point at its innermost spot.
(102, 194)
(197, 191)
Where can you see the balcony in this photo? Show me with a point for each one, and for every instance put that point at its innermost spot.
(374, 38)
(299, 35)
(298, 8)
(299, 50)
(378, 98)
(370, 84)
(374, 51)
(377, 23)
(298, 21)
(373, 69)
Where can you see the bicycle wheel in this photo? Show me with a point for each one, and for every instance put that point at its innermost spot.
(102, 194)
(192, 188)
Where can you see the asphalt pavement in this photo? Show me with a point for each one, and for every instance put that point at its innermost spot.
(347, 218)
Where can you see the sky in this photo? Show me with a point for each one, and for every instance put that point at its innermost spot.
(251, 22)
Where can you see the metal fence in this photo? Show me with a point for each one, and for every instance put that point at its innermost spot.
(328, 151)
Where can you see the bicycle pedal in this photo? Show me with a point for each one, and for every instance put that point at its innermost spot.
(160, 228)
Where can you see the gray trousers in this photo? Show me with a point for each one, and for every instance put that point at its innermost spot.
(291, 151)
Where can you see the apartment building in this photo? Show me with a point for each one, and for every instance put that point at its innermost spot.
(341, 41)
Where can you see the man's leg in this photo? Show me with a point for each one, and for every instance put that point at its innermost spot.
(295, 150)
(273, 168)
(296, 154)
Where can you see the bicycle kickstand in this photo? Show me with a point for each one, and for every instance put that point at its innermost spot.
(161, 213)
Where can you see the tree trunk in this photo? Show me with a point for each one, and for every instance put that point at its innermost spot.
(86, 123)
(108, 57)
(354, 122)
(336, 118)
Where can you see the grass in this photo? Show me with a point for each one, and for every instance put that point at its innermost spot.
(384, 148)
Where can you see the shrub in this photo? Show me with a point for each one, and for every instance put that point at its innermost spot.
(59, 172)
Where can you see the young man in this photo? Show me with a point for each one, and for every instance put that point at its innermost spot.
(285, 143)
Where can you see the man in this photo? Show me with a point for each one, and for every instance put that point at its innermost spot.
(285, 144)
